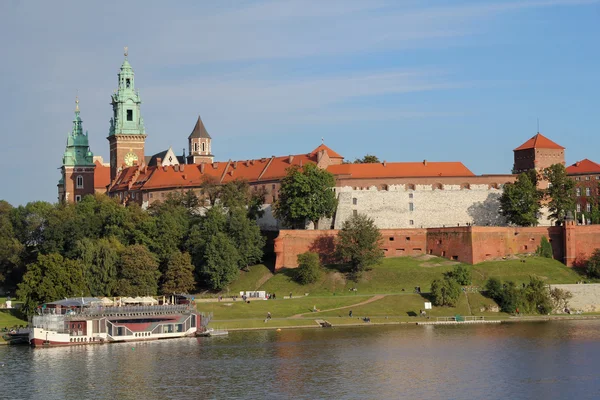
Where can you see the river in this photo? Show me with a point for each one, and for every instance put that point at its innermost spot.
(538, 360)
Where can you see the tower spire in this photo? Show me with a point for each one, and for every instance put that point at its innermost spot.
(76, 103)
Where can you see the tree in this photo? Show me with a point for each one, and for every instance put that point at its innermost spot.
(221, 259)
(100, 258)
(309, 268)
(367, 159)
(536, 297)
(520, 202)
(138, 272)
(593, 265)
(445, 292)
(544, 249)
(560, 299)
(179, 274)
(560, 192)
(51, 278)
(305, 194)
(358, 243)
(245, 235)
(10, 247)
(461, 274)
(493, 288)
(505, 295)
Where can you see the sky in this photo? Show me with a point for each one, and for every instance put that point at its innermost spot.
(405, 80)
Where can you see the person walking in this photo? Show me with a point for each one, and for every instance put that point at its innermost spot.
(290, 295)
(350, 314)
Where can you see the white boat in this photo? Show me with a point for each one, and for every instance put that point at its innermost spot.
(82, 321)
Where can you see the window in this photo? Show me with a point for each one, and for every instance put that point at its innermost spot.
(576, 178)
(354, 201)
(273, 187)
(587, 178)
(77, 198)
(79, 182)
(577, 191)
(203, 146)
(410, 195)
(133, 195)
(588, 191)
(411, 222)
(588, 207)
(411, 207)
(578, 207)
(597, 177)
(391, 238)
(195, 147)
(150, 195)
(127, 83)
(354, 213)
(129, 115)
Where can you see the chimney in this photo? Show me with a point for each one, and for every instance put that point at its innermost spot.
(577, 163)
(252, 162)
(176, 168)
(159, 161)
(425, 162)
(234, 165)
(384, 163)
(215, 165)
(291, 158)
(202, 168)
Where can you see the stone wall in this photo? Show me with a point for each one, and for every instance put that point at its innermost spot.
(432, 205)
(586, 297)
(580, 242)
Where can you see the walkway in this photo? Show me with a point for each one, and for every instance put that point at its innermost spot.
(372, 299)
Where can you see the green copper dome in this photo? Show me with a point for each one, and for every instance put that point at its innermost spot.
(77, 152)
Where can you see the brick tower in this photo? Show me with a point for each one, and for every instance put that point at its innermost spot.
(77, 165)
(199, 145)
(538, 153)
(127, 135)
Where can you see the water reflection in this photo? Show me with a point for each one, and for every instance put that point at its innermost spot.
(530, 360)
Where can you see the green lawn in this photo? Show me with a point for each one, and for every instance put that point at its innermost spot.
(8, 319)
(250, 280)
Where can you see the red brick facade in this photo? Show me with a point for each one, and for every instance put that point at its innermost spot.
(78, 182)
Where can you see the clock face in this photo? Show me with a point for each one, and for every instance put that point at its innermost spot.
(130, 158)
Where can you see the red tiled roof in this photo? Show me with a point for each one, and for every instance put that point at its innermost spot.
(583, 167)
(401, 169)
(330, 153)
(539, 141)
(101, 176)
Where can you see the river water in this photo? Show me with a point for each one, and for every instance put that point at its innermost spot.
(541, 360)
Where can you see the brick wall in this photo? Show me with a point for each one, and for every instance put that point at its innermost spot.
(580, 242)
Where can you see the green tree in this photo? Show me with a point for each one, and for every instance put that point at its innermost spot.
(367, 159)
(221, 260)
(536, 297)
(10, 247)
(544, 249)
(520, 202)
(593, 265)
(445, 292)
(178, 275)
(560, 192)
(358, 244)
(461, 274)
(100, 258)
(51, 278)
(309, 268)
(245, 235)
(493, 288)
(138, 272)
(305, 194)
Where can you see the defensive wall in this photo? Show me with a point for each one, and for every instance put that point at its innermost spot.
(468, 244)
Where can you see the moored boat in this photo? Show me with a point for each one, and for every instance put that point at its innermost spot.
(82, 321)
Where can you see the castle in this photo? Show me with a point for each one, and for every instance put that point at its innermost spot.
(394, 194)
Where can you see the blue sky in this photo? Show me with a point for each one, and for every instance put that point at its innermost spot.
(404, 80)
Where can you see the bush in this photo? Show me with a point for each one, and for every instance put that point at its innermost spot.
(494, 288)
(461, 274)
(445, 292)
(536, 297)
(544, 249)
(593, 265)
(309, 268)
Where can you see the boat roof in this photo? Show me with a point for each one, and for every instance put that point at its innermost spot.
(75, 302)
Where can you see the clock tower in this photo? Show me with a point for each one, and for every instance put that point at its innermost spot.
(127, 134)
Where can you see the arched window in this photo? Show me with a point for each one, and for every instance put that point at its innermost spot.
(203, 146)
(195, 147)
(79, 182)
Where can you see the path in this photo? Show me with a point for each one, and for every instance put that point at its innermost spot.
(372, 299)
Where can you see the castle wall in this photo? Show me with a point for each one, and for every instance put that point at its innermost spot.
(580, 242)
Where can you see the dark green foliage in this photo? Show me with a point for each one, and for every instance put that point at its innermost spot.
(309, 268)
(534, 298)
(520, 202)
(245, 235)
(50, 278)
(305, 194)
(138, 272)
(178, 274)
(560, 299)
(461, 274)
(367, 159)
(358, 244)
(100, 259)
(445, 292)
(544, 249)
(593, 265)
(560, 193)
(221, 260)
(10, 247)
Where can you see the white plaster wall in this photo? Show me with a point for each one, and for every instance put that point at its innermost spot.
(586, 297)
(449, 206)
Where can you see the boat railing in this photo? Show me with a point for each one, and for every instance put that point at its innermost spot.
(137, 310)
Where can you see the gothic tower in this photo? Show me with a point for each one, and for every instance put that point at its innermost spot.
(199, 145)
(127, 134)
(78, 164)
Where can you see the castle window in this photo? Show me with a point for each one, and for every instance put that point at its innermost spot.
(587, 178)
(77, 198)
(195, 147)
(588, 207)
(410, 195)
(577, 191)
(578, 207)
(127, 83)
(79, 182)
(129, 115)
(411, 222)
(411, 206)
(588, 191)
(354, 213)
(203, 146)
(576, 178)
(354, 201)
